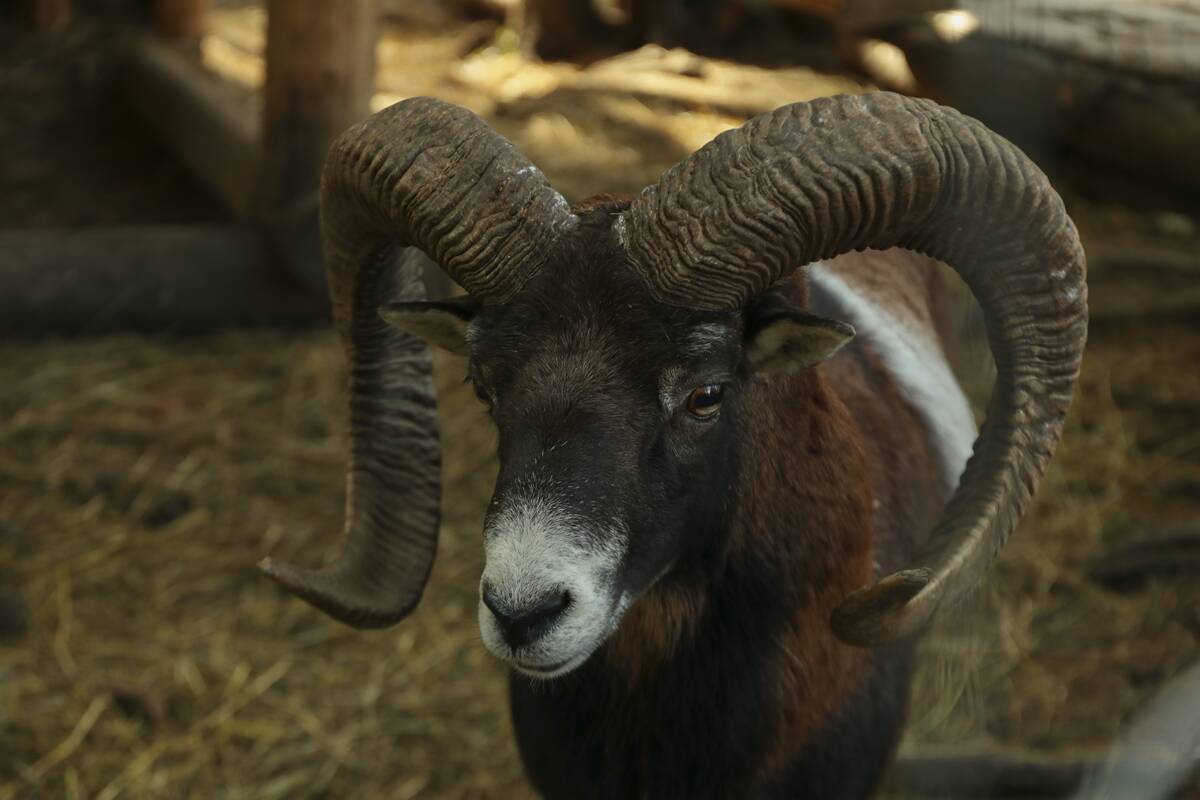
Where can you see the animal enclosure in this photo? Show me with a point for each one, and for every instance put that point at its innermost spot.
(142, 476)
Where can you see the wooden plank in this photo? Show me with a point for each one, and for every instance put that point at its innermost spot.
(185, 279)
(211, 124)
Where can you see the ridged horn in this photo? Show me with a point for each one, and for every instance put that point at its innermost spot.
(430, 175)
(814, 180)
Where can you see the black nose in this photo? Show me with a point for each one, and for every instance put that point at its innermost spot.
(521, 625)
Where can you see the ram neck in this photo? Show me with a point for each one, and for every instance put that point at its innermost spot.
(798, 541)
(806, 504)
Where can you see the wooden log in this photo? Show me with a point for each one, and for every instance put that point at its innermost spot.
(1142, 125)
(986, 772)
(1152, 758)
(1152, 37)
(1154, 754)
(1118, 83)
(180, 19)
(320, 77)
(211, 124)
(47, 14)
(161, 278)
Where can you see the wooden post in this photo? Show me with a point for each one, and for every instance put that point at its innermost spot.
(320, 77)
(48, 14)
(180, 19)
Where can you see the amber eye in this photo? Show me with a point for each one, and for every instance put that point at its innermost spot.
(477, 388)
(704, 401)
(482, 394)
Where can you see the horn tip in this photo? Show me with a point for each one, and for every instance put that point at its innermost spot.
(276, 571)
(894, 608)
(300, 582)
(334, 597)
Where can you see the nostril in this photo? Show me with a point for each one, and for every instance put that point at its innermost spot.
(521, 625)
(493, 603)
(551, 605)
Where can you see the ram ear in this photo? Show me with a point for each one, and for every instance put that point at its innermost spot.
(782, 340)
(440, 323)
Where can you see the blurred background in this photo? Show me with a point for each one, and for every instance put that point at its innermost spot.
(172, 397)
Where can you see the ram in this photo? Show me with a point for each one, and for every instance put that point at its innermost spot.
(710, 543)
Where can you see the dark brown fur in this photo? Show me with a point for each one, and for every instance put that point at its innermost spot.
(724, 678)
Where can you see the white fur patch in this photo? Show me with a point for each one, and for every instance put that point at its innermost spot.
(535, 547)
(703, 339)
(917, 363)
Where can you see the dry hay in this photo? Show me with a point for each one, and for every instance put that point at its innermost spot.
(1045, 657)
(142, 482)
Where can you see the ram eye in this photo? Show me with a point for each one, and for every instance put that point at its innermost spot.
(480, 392)
(704, 401)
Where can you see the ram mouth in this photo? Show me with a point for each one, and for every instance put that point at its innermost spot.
(544, 672)
(540, 670)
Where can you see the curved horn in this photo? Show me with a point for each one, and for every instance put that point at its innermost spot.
(432, 175)
(813, 180)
